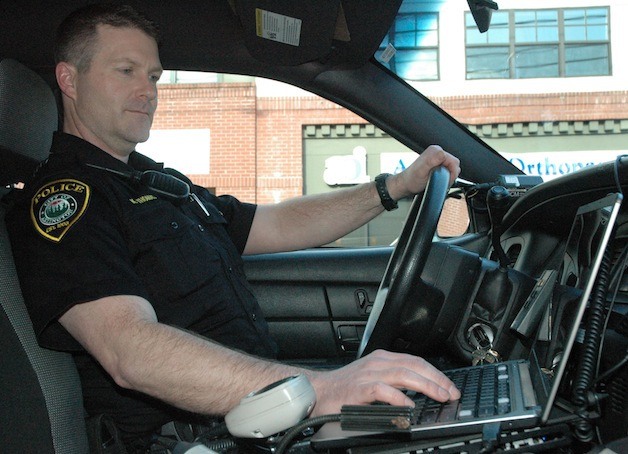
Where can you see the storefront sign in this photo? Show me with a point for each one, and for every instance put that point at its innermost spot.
(550, 165)
(351, 169)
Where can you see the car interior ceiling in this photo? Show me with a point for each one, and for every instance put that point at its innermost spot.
(226, 29)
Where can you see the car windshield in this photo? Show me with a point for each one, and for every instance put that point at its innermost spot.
(539, 82)
(543, 85)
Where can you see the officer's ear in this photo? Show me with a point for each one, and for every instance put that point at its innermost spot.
(66, 78)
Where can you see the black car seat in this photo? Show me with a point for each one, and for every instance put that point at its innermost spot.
(41, 405)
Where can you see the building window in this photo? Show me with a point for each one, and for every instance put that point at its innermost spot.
(415, 39)
(522, 44)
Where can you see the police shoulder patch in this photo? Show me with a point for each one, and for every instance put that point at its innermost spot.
(56, 206)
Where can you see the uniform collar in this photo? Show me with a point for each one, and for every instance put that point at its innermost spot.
(87, 153)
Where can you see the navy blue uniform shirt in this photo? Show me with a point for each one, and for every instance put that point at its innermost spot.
(79, 234)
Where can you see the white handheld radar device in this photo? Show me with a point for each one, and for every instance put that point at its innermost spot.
(273, 409)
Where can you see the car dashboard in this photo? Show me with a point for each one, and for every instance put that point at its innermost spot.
(549, 252)
(467, 299)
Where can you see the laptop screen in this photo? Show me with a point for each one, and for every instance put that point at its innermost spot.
(572, 282)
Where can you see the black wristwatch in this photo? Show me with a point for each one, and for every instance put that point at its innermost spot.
(387, 201)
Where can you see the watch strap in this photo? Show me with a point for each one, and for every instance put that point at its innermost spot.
(384, 196)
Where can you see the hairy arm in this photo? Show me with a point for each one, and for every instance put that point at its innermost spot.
(174, 365)
(198, 375)
(314, 220)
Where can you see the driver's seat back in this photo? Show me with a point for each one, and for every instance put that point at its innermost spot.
(41, 405)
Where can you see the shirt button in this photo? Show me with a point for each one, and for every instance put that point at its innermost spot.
(254, 317)
(174, 225)
(201, 228)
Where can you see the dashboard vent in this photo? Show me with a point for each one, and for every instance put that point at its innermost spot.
(513, 253)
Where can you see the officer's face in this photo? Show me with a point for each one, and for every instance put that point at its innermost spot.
(115, 99)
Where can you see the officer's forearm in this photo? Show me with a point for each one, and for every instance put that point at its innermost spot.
(192, 373)
(175, 366)
(313, 220)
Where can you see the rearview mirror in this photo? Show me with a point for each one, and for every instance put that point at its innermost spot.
(482, 10)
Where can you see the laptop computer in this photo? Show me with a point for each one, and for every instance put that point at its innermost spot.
(526, 390)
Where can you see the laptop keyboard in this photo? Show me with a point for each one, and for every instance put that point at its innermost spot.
(485, 391)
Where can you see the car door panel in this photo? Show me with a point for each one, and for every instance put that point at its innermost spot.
(317, 301)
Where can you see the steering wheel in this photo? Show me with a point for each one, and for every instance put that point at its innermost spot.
(406, 264)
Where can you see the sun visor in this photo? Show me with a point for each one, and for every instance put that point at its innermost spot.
(289, 32)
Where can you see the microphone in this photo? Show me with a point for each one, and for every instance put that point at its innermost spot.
(164, 184)
(498, 202)
(168, 186)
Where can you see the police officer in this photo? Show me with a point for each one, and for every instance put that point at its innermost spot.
(146, 287)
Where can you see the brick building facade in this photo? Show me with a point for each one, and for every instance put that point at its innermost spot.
(257, 143)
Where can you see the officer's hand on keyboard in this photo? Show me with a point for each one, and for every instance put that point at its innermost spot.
(380, 377)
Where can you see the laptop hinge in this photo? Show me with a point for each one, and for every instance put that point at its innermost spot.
(529, 399)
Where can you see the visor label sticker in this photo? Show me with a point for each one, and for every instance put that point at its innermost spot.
(277, 27)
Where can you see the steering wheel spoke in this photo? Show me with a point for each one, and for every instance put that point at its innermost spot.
(405, 265)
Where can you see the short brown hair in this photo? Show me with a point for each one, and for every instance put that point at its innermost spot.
(76, 36)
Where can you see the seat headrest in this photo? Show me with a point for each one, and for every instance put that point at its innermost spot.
(28, 117)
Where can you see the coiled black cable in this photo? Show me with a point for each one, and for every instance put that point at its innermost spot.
(221, 445)
(585, 372)
(582, 394)
(286, 440)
